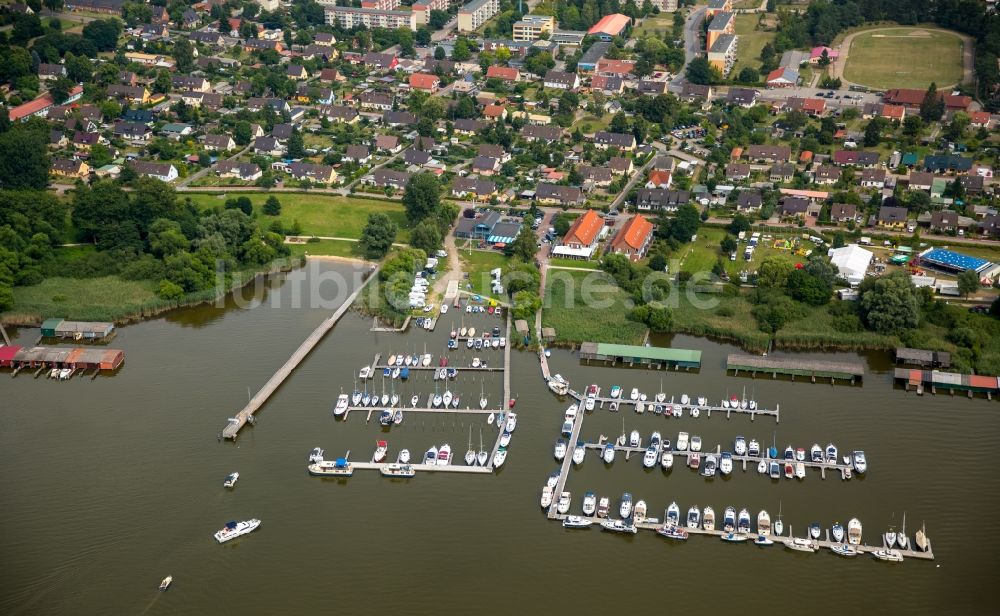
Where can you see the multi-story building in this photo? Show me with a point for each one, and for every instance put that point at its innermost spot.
(718, 6)
(531, 27)
(665, 6)
(476, 13)
(722, 54)
(350, 17)
(423, 9)
(722, 23)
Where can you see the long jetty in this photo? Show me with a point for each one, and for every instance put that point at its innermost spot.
(793, 367)
(245, 415)
(649, 406)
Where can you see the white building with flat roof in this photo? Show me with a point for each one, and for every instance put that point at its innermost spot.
(349, 17)
(476, 13)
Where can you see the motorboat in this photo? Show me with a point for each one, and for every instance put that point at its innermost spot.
(729, 520)
(603, 505)
(546, 500)
(816, 453)
(609, 453)
(649, 457)
(734, 537)
(710, 467)
(381, 447)
(503, 342)
(571, 412)
(682, 441)
(387, 371)
(397, 417)
(672, 532)
(639, 511)
(589, 404)
(455, 401)
(505, 438)
(634, 394)
(613, 406)
(837, 532)
(385, 418)
(316, 454)
(685, 399)
(753, 449)
(694, 517)
(167, 581)
(859, 462)
(763, 540)
(655, 440)
(575, 521)
(640, 407)
(763, 523)
(470, 343)
(667, 460)
(564, 502)
(676, 410)
(495, 343)
(340, 467)
(499, 457)
(364, 372)
(762, 467)
(230, 480)
(673, 515)
(695, 412)
(800, 544)
(567, 428)
(740, 446)
(694, 461)
(726, 464)
(618, 526)
(403, 457)
(399, 359)
(695, 443)
(397, 470)
(844, 549)
(800, 454)
(511, 421)
(831, 454)
(789, 470)
(589, 504)
(625, 509)
(579, 452)
(789, 453)
(734, 402)
(475, 362)
(815, 530)
(430, 457)
(557, 387)
(404, 374)
(560, 450)
(634, 439)
(235, 529)
(800, 470)
(891, 556)
(774, 470)
(426, 360)
(616, 391)
(743, 522)
(708, 518)
(415, 400)
(341, 407)
(854, 531)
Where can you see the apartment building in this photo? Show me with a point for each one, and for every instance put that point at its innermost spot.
(476, 13)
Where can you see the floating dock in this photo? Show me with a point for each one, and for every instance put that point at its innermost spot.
(813, 369)
(625, 403)
(245, 415)
(632, 355)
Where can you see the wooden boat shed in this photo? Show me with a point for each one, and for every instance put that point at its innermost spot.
(79, 358)
(77, 330)
(951, 381)
(920, 357)
(795, 367)
(657, 357)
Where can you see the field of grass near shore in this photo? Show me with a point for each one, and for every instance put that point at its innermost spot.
(588, 307)
(477, 265)
(87, 299)
(318, 214)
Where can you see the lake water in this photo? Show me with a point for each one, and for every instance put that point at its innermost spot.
(109, 485)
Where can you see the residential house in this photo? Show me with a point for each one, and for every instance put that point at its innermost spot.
(844, 213)
(694, 91)
(945, 221)
(282, 132)
(980, 119)
(891, 217)
(503, 73)
(607, 85)
(184, 82)
(652, 88)
(814, 107)
(398, 118)
(57, 140)
(531, 132)
(340, 113)
(331, 75)
(358, 154)
(219, 143)
(661, 199)
(620, 165)
(485, 165)
(782, 172)
(583, 236)
(141, 116)
(320, 174)
(948, 163)
(248, 172)
(495, 113)
(268, 146)
(256, 44)
(990, 226)
(634, 238)
(161, 171)
(552, 194)
(494, 151)
(388, 178)
(768, 153)
(388, 143)
(893, 113)
(132, 131)
(856, 158)
(413, 156)
(793, 207)
(50, 71)
(873, 178)
(972, 184)
(67, 168)
(561, 80)
(782, 77)
(176, 130)
(604, 140)
(84, 141)
(596, 176)
(921, 180)
(659, 178)
(466, 126)
(212, 38)
(380, 61)
(744, 97)
(259, 104)
(749, 201)
(737, 172)
(379, 101)
(131, 94)
(425, 82)
(615, 68)
(473, 188)
(209, 100)
(826, 174)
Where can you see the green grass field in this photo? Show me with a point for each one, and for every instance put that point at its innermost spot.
(750, 42)
(657, 26)
(318, 214)
(905, 58)
(85, 298)
(477, 264)
(588, 306)
(575, 263)
(591, 124)
(336, 248)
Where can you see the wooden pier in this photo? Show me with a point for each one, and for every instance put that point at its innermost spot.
(567, 463)
(381, 367)
(625, 404)
(433, 468)
(779, 541)
(245, 415)
(752, 364)
(420, 409)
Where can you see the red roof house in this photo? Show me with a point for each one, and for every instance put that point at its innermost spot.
(425, 81)
(634, 238)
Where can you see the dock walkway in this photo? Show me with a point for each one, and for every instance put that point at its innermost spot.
(245, 415)
(624, 403)
(434, 468)
(566, 465)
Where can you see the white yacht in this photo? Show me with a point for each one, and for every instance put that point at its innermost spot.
(546, 500)
(708, 518)
(589, 504)
(234, 529)
(696, 443)
(634, 395)
(740, 446)
(667, 460)
(560, 450)
(316, 454)
(341, 406)
(682, 441)
(230, 481)
(575, 521)
(564, 502)
(579, 452)
(500, 457)
(634, 439)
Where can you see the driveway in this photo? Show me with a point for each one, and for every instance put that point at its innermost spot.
(692, 45)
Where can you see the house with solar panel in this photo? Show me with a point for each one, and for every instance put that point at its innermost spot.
(951, 262)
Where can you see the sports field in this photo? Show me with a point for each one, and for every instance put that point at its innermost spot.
(904, 58)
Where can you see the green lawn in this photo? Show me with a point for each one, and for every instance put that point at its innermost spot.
(905, 58)
(577, 263)
(85, 299)
(657, 25)
(337, 248)
(477, 264)
(588, 306)
(591, 124)
(318, 214)
(750, 42)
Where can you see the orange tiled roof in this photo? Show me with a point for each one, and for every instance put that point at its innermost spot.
(584, 230)
(424, 81)
(633, 234)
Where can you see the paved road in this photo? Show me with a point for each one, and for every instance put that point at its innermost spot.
(692, 44)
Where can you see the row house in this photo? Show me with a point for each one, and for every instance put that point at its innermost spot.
(247, 172)
(604, 140)
(661, 199)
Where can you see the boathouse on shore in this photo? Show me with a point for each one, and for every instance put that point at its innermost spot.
(658, 357)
